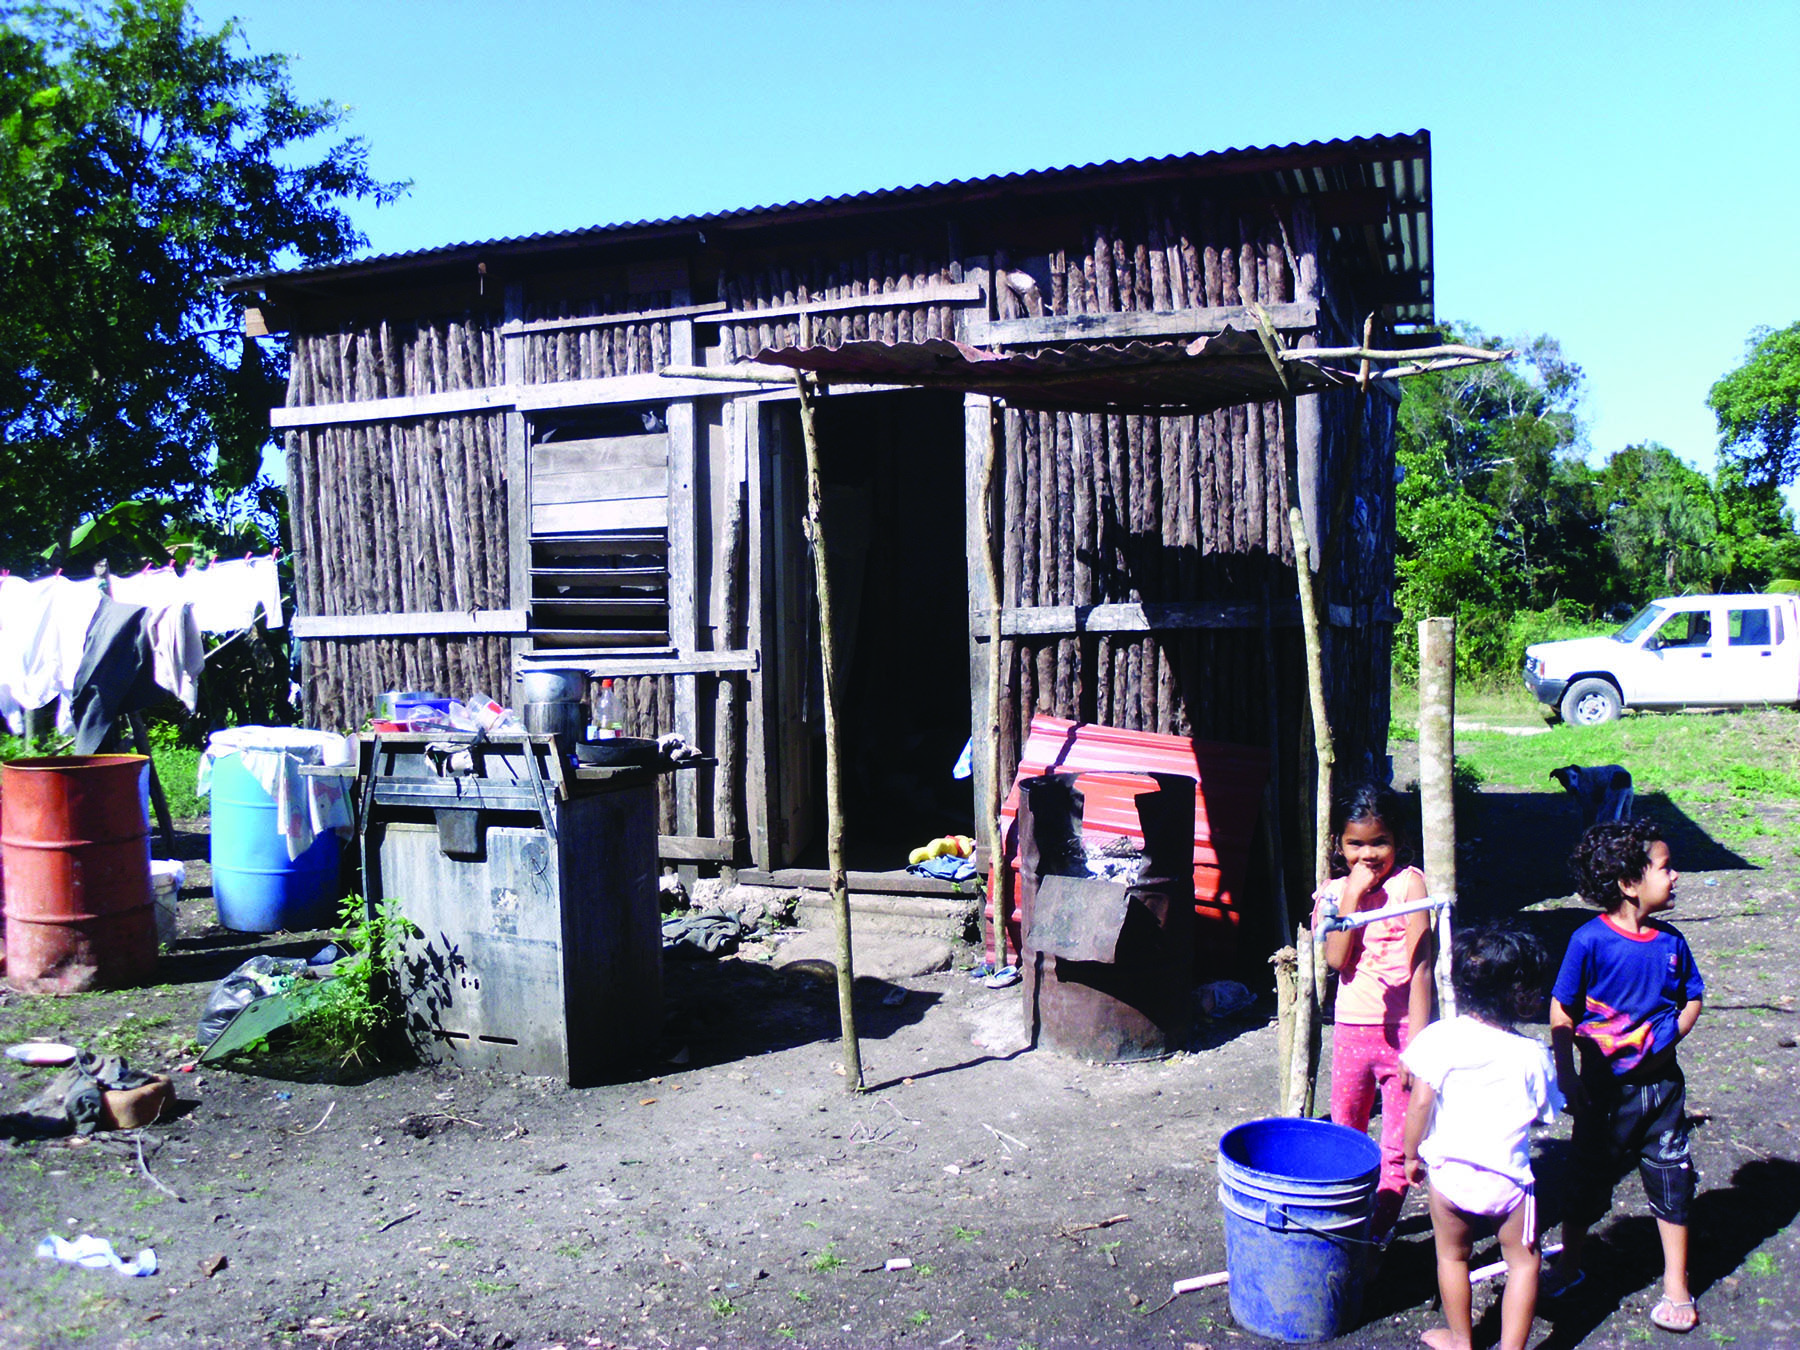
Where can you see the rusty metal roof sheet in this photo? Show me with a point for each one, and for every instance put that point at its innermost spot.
(1382, 182)
(1219, 371)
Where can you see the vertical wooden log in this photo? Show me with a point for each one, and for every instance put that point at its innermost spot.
(834, 811)
(1437, 795)
(725, 698)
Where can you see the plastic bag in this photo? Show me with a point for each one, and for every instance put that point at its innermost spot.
(257, 978)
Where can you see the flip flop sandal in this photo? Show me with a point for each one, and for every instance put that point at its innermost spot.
(1549, 1287)
(1665, 1312)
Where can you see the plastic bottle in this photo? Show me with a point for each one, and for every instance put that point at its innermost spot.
(608, 724)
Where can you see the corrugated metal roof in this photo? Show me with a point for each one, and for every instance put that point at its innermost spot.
(1397, 167)
(1219, 371)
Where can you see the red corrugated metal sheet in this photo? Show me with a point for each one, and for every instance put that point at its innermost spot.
(1112, 763)
(1218, 371)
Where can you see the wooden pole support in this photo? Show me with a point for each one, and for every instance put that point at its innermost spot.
(1437, 795)
(834, 801)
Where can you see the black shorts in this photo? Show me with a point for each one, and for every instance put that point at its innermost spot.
(1642, 1122)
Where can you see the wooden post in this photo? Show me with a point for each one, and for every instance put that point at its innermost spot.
(725, 706)
(993, 844)
(1286, 963)
(834, 804)
(1437, 795)
(140, 737)
(1300, 1066)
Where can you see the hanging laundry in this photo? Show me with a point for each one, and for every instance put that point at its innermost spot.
(178, 651)
(117, 674)
(227, 595)
(43, 631)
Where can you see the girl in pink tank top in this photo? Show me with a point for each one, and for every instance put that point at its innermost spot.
(1384, 978)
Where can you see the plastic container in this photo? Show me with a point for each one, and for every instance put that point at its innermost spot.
(257, 887)
(77, 858)
(1298, 1196)
(608, 723)
(166, 881)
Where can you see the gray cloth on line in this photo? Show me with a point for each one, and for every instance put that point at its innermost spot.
(117, 674)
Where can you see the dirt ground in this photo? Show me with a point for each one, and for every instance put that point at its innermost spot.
(744, 1198)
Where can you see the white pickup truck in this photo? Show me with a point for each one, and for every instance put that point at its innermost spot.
(1705, 651)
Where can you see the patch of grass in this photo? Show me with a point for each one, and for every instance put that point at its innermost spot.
(460, 1243)
(827, 1259)
(1678, 753)
(491, 1286)
(800, 1295)
(722, 1306)
(786, 1333)
(924, 1270)
(964, 1234)
(919, 1318)
(1013, 1295)
(568, 1249)
(809, 1223)
(1759, 1264)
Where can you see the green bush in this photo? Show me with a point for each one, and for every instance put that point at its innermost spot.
(1491, 643)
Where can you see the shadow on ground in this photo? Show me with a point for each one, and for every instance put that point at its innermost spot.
(1535, 832)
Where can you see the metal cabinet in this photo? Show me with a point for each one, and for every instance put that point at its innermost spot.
(534, 889)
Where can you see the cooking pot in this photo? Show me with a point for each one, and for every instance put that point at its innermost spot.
(553, 684)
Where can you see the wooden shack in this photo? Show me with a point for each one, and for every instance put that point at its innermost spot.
(486, 471)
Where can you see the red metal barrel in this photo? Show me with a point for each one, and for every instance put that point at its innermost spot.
(76, 841)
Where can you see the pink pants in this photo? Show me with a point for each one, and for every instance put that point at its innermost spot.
(1365, 1059)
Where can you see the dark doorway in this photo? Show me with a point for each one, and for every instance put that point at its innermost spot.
(893, 476)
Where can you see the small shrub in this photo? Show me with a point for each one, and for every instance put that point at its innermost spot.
(348, 1016)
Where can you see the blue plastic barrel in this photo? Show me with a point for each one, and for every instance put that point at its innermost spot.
(256, 886)
(1298, 1196)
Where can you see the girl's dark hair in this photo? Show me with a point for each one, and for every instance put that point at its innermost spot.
(1368, 801)
(1609, 853)
(1498, 972)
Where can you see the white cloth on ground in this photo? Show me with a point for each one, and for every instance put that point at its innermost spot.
(96, 1253)
(1491, 1086)
(43, 630)
(179, 652)
(305, 806)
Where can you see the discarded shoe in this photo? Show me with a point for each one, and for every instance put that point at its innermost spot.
(1003, 978)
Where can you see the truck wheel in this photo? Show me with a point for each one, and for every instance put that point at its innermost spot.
(1588, 703)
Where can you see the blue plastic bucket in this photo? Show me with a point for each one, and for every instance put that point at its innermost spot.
(256, 886)
(1298, 1196)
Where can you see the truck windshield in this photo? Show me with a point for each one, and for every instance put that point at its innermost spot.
(1647, 617)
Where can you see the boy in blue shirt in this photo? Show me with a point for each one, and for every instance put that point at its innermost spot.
(1627, 994)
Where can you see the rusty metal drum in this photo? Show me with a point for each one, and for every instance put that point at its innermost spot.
(74, 830)
(1108, 965)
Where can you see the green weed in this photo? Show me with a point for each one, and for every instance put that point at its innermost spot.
(1759, 1264)
(346, 1017)
(828, 1259)
(964, 1234)
(1013, 1295)
(460, 1243)
(786, 1333)
(800, 1296)
(919, 1318)
(568, 1249)
(722, 1306)
(491, 1286)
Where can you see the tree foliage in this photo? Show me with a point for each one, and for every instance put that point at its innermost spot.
(1505, 523)
(142, 160)
(1758, 408)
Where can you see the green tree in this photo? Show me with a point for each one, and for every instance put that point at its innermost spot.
(1756, 532)
(1661, 522)
(142, 160)
(1758, 408)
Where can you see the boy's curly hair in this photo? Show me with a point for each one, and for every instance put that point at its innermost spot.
(1609, 853)
(1498, 972)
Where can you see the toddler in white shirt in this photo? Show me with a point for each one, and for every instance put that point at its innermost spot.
(1478, 1088)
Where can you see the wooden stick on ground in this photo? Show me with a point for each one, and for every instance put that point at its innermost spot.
(834, 802)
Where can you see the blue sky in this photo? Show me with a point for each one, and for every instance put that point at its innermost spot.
(1622, 177)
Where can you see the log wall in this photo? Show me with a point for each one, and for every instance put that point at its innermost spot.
(400, 516)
